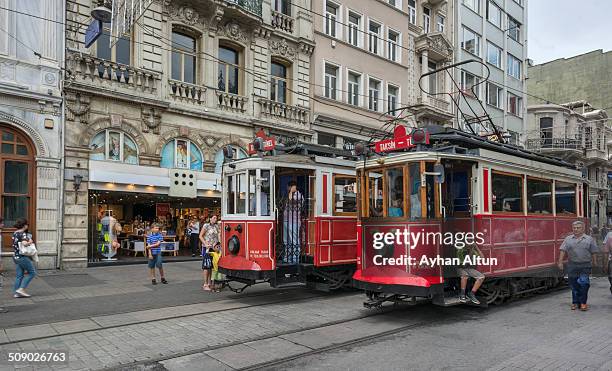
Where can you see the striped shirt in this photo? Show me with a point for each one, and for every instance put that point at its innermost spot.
(153, 239)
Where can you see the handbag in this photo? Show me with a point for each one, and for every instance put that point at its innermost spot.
(27, 250)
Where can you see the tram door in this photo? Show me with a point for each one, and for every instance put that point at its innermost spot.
(292, 195)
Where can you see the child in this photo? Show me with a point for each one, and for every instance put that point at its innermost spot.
(207, 265)
(217, 277)
(154, 240)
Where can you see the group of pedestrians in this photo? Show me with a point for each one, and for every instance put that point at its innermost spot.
(204, 240)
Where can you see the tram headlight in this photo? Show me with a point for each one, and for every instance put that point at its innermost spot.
(233, 245)
(418, 136)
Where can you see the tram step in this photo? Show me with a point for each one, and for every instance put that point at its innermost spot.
(454, 300)
(290, 284)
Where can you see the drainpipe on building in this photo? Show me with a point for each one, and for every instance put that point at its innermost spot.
(63, 70)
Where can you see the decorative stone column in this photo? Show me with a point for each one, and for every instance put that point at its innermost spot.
(424, 70)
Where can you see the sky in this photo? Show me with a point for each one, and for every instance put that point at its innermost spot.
(565, 28)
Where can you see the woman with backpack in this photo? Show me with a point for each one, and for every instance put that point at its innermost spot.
(24, 264)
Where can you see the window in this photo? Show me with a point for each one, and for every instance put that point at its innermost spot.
(120, 53)
(252, 190)
(354, 25)
(183, 58)
(395, 192)
(374, 35)
(282, 6)
(514, 29)
(514, 67)
(515, 105)
(353, 88)
(219, 158)
(331, 81)
(494, 14)
(539, 196)
(113, 145)
(440, 23)
(412, 11)
(375, 193)
(469, 84)
(565, 198)
(345, 195)
(414, 171)
(494, 95)
(278, 90)
(494, 55)
(331, 15)
(231, 195)
(181, 154)
(374, 95)
(471, 41)
(426, 19)
(514, 137)
(392, 45)
(433, 78)
(507, 192)
(473, 4)
(228, 70)
(265, 193)
(392, 99)
(240, 193)
(325, 139)
(546, 130)
(395, 3)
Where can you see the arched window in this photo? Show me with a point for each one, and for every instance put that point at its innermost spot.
(111, 145)
(181, 154)
(229, 64)
(238, 154)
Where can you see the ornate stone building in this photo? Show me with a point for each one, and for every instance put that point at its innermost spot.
(191, 78)
(31, 125)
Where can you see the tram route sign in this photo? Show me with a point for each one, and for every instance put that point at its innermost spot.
(268, 143)
(400, 140)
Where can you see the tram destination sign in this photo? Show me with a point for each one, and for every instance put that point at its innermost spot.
(401, 140)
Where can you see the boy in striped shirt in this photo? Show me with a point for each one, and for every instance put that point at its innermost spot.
(154, 240)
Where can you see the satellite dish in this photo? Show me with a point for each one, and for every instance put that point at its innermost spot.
(102, 14)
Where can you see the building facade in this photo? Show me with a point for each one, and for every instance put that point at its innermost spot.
(493, 32)
(31, 125)
(190, 78)
(367, 63)
(580, 134)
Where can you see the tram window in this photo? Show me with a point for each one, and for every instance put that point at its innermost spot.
(395, 192)
(252, 192)
(430, 191)
(265, 193)
(415, 190)
(507, 192)
(230, 194)
(241, 199)
(565, 198)
(375, 188)
(345, 195)
(539, 196)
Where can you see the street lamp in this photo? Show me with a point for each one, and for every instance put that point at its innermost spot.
(78, 178)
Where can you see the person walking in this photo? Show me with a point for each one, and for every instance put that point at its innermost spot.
(23, 264)
(2, 309)
(194, 234)
(209, 236)
(154, 240)
(607, 248)
(579, 249)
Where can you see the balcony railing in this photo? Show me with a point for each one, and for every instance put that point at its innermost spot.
(438, 103)
(184, 92)
(282, 111)
(251, 6)
(103, 72)
(282, 21)
(554, 143)
(231, 102)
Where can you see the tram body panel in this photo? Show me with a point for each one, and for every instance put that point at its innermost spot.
(336, 240)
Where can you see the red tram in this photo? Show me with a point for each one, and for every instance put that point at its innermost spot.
(442, 180)
(306, 238)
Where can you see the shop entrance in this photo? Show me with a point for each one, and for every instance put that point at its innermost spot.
(135, 213)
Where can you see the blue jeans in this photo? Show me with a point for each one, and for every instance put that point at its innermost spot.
(22, 265)
(291, 240)
(578, 276)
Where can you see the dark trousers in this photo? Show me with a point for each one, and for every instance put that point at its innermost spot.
(194, 242)
(578, 276)
(610, 272)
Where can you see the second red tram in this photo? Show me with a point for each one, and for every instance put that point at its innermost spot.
(516, 205)
(290, 218)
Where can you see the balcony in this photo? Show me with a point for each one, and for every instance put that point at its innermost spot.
(294, 116)
(104, 74)
(282, 21)
(434, 109)
(231, 102)
(436, 44)
(250, 6)
(183, 92)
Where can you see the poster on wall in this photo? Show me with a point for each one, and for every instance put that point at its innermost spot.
(114, 146)
(162, 209)
(181, 155)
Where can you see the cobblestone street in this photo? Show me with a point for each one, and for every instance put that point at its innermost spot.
(184, 328)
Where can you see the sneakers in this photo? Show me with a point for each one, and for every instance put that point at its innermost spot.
(163, 280)
(206, 288)
(462, 298)
(153, 282)
(21, 293)
(472, 298)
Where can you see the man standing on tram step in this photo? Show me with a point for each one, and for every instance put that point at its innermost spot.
(579, 248)
(607, 247)
(466, 271)
(292, 223)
